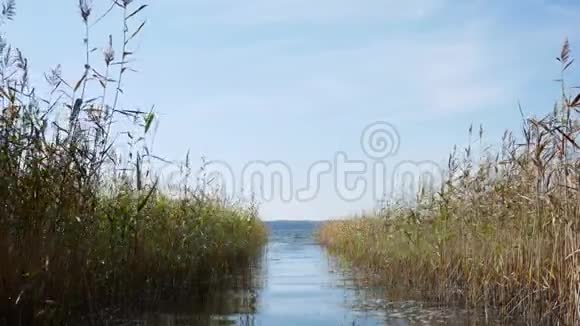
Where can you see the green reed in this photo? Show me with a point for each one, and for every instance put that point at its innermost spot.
(87, 229)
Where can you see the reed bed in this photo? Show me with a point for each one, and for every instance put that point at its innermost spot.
(87, 229)
(502, 231)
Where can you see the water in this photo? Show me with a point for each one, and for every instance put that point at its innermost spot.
(297, 283)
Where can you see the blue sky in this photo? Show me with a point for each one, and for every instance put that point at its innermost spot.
(297, 81)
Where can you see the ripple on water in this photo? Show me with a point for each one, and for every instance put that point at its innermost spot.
(296, 283)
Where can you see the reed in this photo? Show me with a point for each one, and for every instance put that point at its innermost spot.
(502, 232)
(88, 230)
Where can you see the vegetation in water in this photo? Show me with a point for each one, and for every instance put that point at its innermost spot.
(87, 230)
(503, 230)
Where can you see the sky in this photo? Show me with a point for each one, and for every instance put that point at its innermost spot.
(300, 84)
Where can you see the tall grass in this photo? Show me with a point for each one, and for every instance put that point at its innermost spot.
(501, 232)
(85, 230)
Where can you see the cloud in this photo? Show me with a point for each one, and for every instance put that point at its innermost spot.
(441, 67)
(441, 73)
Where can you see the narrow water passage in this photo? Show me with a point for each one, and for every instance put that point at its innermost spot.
(301, 287)
(297, 284)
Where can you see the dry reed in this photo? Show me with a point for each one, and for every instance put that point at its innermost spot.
(501, 232)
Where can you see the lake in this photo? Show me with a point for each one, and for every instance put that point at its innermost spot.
(297, 283)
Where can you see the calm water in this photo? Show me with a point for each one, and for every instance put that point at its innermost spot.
(296, 283)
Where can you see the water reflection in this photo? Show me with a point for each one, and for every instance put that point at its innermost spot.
(228, 299)
(296, 283)
(395, 309)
